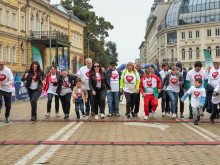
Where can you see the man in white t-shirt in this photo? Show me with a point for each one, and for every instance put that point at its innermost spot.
(197, 72)
(6, 81)
(83, 73)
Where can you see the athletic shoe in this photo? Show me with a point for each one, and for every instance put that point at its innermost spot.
(181, 115)
(96, 117)
(66, 116)
(78, 118)
(136, 115)
(163, 114)
(198, 118)
(33, 118)
(57, 115)
(150, 115)
(117, 114)
(109, 115)
(133, 114)
(211, 120)
(128, 116)
(167, 114)
(6, 120)
(48, 114)
(102, 115)
(196, 122)
(93, 113)
(145, 117)
(154, 114)
(190, 117)
(173, 116)
(83, 113)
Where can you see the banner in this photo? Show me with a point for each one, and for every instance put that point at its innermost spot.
(62, 63)
(37, 56)
(208, 59)
(21, 92)
(67, 62)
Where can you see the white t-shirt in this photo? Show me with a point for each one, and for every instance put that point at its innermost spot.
(79, 95)
(34, 83)
(216, 99)
(98, 78)
(196, 94)
(130, 81)
(214, 77)
(114, 81)
(84, 74)
(6, 76)
(149, 84)
(66, 87)
(52, 89)
(192, 75)
(173, 84)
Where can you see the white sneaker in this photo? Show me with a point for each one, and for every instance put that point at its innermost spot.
(154, 114)
(167, 114)
(150, 115)
(173, 116)
(145, 117)
(96, 117)
(57, 115)
(163, 114)
(48, 114)
(102, 116)
(109, 115)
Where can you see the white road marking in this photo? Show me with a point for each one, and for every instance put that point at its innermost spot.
(34, 152)
(157, 125)
(54, 148)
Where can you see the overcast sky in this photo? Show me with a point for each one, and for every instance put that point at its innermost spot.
(129, 20)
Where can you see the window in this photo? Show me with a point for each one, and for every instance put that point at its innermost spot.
(209, 32)
(14, 55)
(217, 32)
(190, 34)
(22, 23)
(81, 43)
(183, 53)
(210, 50)
(7, 54)
(14, 20)
(32, 22)
(75, 41)
(71, 40)
(197, 33)
(217, 51)
(23, 57)
(7, 18)
(183, 35)
(1, 22)
(1, 52)
(42, 26)
(190, 53)
(197, 53)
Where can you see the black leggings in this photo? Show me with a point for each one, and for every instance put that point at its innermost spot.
(34, 96)
(130, 99)
(65, 101)
(7, 98)
(215, 110)
(99, 100)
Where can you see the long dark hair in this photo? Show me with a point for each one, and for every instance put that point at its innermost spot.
(39, 71)
(92, 70)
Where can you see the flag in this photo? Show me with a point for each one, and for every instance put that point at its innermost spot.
(208, 59)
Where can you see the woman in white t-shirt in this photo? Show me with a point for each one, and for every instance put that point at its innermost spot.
(129, 84)
(173, 81)
(51, 90)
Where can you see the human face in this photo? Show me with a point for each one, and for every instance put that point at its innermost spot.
(148, 75)
(112, 67)
(35, 68)
(197, 68)
(174, 72)
(130, 68)
(138, 66)
(216, 65)
(96, 67)
(2, 65)
(197, 84)
(79, 84)
(53, 71)
(165, 67)
(64, 74)
(89, 63)
(151, 70)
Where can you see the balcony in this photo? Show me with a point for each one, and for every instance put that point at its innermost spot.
(170, 60)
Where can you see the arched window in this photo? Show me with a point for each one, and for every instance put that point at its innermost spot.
(197, 52)
(210, 49)
(172, 55)
(190, 53)
(217, 50)
(183, 53)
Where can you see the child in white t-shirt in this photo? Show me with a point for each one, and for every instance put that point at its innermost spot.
(198, 96)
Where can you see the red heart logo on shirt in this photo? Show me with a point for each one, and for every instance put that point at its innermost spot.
(98, 78)
(197, 93)
(67, 84)
(34, 77)
(114, 75)
(52, 80)
(87, 74)
(129, 78)
(198, 76)
(174, 80)
(214, 74)
(149, 83)
(2, 77)
(79, 95)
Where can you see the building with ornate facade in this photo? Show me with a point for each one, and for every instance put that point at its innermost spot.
(179, 30)
(25, 34)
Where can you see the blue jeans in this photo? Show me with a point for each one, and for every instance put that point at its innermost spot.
(173, 98)
(113, 97)
(79, 106)
(50, 97)
(89, 102)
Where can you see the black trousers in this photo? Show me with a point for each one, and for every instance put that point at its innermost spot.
(99, 100)
(137, 103)
(34, 96)
(130, 100)
(7, 98)
(215, 110)
(165, 103)
(181, 103)
(65, 101)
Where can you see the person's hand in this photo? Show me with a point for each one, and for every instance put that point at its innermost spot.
(158, 90)
(94, 93)
(138, 91)
(55, 80)
(178, 84)
(2, 84)
(218, 93)
(121, 90)
(144, 94)
(26, 75)
(75, 97)
(86, 100)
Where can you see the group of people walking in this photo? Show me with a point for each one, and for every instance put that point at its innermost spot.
(92, 85)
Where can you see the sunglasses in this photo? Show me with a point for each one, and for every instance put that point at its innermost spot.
(96, 66)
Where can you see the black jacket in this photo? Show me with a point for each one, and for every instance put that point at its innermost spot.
(184, 80)
(109, 75)
(105, 84)
(72, 80)
(141, 73)
(29, 81)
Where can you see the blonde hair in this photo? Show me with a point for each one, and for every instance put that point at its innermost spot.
(174, 68)
(131, 64)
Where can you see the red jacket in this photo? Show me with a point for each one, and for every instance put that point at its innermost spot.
(141, 86)
(47, 80)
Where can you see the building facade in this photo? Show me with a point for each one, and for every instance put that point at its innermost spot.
(25, 34)
(188, 28)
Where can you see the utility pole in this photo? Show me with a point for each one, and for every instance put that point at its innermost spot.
(50, 33)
